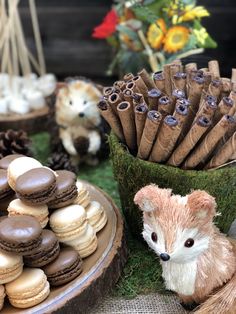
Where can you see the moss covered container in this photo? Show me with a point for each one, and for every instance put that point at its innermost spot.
(133, 173)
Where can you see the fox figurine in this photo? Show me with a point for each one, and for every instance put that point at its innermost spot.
(198, 262)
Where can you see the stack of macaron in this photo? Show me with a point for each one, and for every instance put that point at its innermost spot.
(51, 225)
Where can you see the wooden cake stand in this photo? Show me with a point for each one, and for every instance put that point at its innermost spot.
(101, 270)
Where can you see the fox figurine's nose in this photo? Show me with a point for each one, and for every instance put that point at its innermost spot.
(81, 114)
(164, 257)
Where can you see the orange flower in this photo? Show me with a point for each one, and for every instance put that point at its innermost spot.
(156, 33)
(176, 38)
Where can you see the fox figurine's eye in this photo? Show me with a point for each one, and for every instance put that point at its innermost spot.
(70, 102)
(189, 242)
(85, 102)
(154, 237)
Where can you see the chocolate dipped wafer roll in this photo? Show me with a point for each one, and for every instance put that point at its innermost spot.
(165, 139)
(114, 99)
(147, 79)
(179, 81)
(140, 113)
(126, 114)
(107, 91)
(213, 66)
(153, 97)
(127, 77)
(150, 130)
(224, 154)
(215, 88)
(200, 154)
(159, 81)
(191, 139)
(112, 119)
(141, 87)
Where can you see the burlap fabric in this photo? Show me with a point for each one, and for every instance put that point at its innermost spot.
(143, 304)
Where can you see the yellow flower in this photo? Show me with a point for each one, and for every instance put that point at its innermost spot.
(201, 35)
(156, 33)
(191, 13)
(176, 38)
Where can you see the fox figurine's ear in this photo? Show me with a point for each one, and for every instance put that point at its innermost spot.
(150, 197)
(202, 205)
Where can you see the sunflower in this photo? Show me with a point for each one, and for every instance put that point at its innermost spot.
(155, 33)
(176, 38)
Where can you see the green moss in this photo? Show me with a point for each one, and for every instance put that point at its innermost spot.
(133, 173)
(41, 146)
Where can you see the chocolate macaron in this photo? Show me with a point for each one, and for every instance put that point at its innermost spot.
(66, 191)
(5, 189)
(36, 186)
(5, 161)
(20, 234)
(46, 252)
(66, 267)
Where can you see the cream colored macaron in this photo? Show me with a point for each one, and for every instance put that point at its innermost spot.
(11, 266)
(2, 296)
(96, 215)
(29, 289)
(19, 166)
(68, 222)
(40, 212)
(83, 197)
(86, 244)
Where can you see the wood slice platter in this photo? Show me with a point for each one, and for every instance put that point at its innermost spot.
(101, 270)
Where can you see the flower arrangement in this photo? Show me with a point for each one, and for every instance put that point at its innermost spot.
(151, 33)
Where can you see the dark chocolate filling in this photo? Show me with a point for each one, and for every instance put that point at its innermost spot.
(180, 75)
(102, 105)
(130, 85)
(153, 93)
(229, 118)
(127, 92)
(181, 109)
(123, 105)
(141, 108)
(154, 115)
(170, 120)
(158, 76)
(228, 101)
(183, 101)
(178, 93)
(113, 97)
(164, 100)
(199, 79)
(203, 121)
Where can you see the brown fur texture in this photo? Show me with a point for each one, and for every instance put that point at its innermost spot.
(215, 281)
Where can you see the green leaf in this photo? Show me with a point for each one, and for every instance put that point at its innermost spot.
(210, 43)
(128, 31)
(145, 14)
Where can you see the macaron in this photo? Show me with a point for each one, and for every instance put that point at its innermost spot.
(29, 289)
(68, 223)
(2, 296)
(36, 186)
(20, 234)
(19, 166)
(86, 244)
(40, 212)
(46, 252)
(11, 266)
(5, 189)
(66, 190)
(66, 267)
(96, 215)
(83, 197)
(5, 161)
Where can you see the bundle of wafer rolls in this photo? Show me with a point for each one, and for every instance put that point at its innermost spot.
(182, 116)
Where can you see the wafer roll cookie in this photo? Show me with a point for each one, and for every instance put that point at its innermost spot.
(113, 100)
(215, 88)
(214, 68)
(189, 69)
(127, 77)
(128, 96)
(167, 77)
(137, 99)
(153, 97)
(179, 81)
(140, 114)
(225, 106)
(150, 130)
(233, 80)
(126, 114)
(190, 140)
(107, 91)
(224, 154)
(132, 86)
(226, 86)
(159, 81)
(174, 68)
(141, 87)
(201, 153)
(147, 79)
(164, 106)
(111, 118)
(208, 79)
(208, 107)
(165, 137)
(232, 96)
(119, 85)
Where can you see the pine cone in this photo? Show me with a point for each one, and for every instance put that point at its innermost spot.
(14, 142)
(61, 161)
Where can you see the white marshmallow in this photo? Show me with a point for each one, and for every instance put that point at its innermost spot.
(4, 105)
(35, 99)
(47, 84)
(19, 105)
